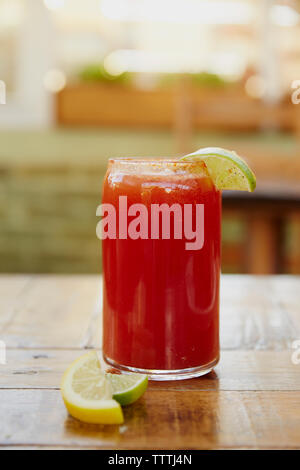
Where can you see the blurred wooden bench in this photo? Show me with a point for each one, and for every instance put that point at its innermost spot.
(114, 105)
(183, 107)
(265, 212)
(228, 109)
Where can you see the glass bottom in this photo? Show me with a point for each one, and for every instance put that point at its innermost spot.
(174, 374)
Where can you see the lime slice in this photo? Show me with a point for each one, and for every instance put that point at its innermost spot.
(226, 168)
(127, 388)
(88, 394)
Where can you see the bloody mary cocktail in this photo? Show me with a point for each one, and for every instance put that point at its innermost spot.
(161, 300)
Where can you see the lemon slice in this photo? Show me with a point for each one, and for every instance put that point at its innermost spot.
(227, 169)
(87, 392)
(127, 388)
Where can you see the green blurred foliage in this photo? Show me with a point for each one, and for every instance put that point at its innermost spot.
(207, 79)
(203, 79)
(97, 73)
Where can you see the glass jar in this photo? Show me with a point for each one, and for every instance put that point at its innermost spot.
(161, 235)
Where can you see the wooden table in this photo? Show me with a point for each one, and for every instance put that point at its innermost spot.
(251, 400)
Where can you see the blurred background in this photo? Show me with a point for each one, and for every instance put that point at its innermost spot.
(86, 80)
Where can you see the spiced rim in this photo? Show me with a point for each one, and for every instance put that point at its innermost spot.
(150, 160)
(159, 165)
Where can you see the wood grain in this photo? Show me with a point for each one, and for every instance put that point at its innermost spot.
(159, 420)
(257, 312)
(49, 311)
(242, 370)
(251, 399)
(12, 290)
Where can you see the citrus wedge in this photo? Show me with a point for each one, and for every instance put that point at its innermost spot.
(87, 392)
(127, 389)
(227, 169)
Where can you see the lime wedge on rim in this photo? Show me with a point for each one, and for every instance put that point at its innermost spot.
(227, 169)
(127, 388)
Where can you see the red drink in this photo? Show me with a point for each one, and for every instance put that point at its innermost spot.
(161, 300)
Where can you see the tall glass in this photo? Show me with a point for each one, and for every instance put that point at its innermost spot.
(161, 291)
